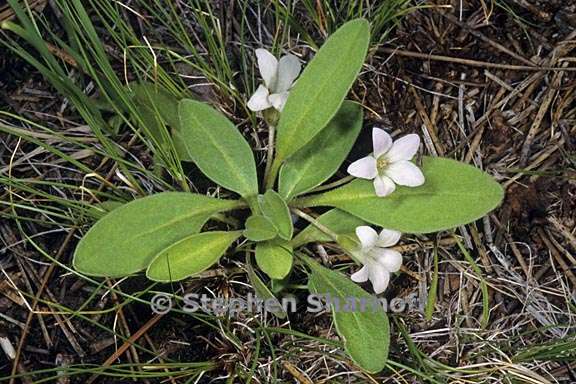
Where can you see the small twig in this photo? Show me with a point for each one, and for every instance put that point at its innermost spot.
(7, 347)
(487, 40)
(127, 344)
(428, 124)
(472, 63)
(334, 184)
(314, 222)
(535, 127)
(565, 267)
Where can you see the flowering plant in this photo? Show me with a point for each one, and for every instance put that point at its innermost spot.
(314, 134)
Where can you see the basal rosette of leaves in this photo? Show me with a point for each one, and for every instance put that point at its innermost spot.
(162, 235)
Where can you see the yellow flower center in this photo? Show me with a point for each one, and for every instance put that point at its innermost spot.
(381, 164)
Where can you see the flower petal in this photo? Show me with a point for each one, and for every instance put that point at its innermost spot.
(381, 141)
(367, 236)
(361, 275)
(383, 186)
(278, 100)
(390, 259)
(288, 70)
(379, 277)
(404, 148)
(405, 173)
(364, 168)
(268, 66)
(259, 100)
(388, 238)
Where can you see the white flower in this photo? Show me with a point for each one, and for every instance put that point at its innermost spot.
(379, 261)
(278, 78)
(390, 163)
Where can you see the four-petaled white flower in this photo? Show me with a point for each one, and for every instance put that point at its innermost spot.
(390, 163)
(379, 261)
(278, 76)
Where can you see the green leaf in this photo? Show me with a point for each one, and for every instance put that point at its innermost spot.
(259, 228)
(274, 258)
(126, 240)
(217, 148)
(157, 107)
(320, 158)
(264, 293)
(454, 194)
(102, 209)
(364, 327)
(190, 255)
(320, 90)
(157, 99)
(337, 221)
(276, 210)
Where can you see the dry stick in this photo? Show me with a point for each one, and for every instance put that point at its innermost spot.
(566, 101)
(66, 327)
(535, 127)
(472, 63)
(565, 267)
(16, 365)
(487, 40)
(505, 85)
(124, 324)
(478, 133)
(65, 324)
(560, 248)
(6, 13)
(48, 274)
(428, 124)
(298, 375)
(484, 258)
(564, 231)
(537, 11)
(512, 243)
(13, 285)
(539, 160)
(559, 51)
(517, 91)
(127, 344)
(436, 102)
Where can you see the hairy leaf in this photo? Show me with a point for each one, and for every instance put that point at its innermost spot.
(126, 239)
(320, 158)
(359, 318)
(190, 255)
(276, 210)
(320, 90)
(454, 194)
(217, 148)
(259, 228)
(157, 99)
(274, 258)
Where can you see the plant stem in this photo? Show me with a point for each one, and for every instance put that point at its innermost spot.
(305, 202)
(274, 168)
(226, 219)
(269, 152)
(252, 202)
(315, 223)
(334, 184)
